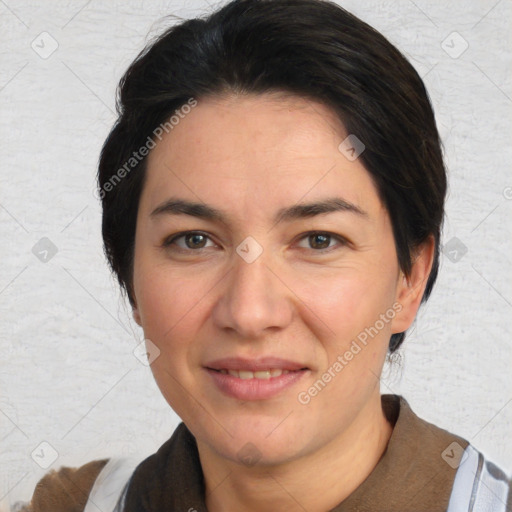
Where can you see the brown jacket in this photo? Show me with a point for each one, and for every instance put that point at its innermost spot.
(415, 474)
(65, 490)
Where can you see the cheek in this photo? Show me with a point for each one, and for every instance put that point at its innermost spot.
(172, 310)
(347, 302)
(171, 304)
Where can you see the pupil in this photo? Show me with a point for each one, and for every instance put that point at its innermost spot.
(324, 241)
(196, 239)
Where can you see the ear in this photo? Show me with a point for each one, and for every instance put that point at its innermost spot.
(409, 291)
(136, 314)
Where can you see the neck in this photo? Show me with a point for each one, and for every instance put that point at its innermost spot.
(316, 482)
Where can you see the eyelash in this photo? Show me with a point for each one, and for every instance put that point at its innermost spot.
(171, 240)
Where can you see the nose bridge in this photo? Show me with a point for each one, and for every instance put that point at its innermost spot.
(253, 298)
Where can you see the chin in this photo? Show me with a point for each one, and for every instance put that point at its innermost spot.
(256, 441)
(259, 451)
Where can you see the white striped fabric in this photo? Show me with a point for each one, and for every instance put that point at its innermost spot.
(480, 486)
(110, 484)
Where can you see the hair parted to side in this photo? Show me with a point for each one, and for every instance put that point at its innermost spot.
(314, 49)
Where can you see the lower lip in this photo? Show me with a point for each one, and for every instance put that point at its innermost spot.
(254, 389)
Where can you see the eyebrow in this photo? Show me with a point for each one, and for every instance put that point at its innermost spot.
(299, 211)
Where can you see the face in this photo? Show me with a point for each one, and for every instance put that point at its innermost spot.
(255, 298)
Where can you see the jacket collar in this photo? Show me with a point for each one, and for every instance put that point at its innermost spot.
(416, 471)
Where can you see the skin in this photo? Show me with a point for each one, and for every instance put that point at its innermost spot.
(250, 156)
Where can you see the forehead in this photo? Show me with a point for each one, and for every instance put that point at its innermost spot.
(262, 149)
(277, 123)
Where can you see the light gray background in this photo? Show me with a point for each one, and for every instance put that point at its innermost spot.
(68, 376)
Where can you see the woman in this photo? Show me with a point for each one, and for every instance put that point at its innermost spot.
(273, 194)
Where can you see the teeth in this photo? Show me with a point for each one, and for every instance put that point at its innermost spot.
(260, 374)
(265, 374)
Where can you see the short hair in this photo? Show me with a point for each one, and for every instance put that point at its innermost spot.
(314, 49)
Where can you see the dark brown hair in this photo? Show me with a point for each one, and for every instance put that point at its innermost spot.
(312, 48)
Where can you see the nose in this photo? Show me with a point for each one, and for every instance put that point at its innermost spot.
(253, 299)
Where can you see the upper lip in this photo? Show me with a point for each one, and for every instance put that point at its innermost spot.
(253, 365)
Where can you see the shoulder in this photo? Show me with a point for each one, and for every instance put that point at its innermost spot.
(477, 484)
(480, 485)
(66, 489)
(444, 467)
(100, 484)
(97, 485)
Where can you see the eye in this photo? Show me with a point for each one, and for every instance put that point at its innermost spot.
(321, 240)
(192, 239)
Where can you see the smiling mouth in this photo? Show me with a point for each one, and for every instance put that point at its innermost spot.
(256, 381)
(259, 374)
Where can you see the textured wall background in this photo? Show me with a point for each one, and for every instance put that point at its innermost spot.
(68, 377)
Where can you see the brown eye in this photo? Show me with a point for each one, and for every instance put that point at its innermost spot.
(195, 240)
(319, 241)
